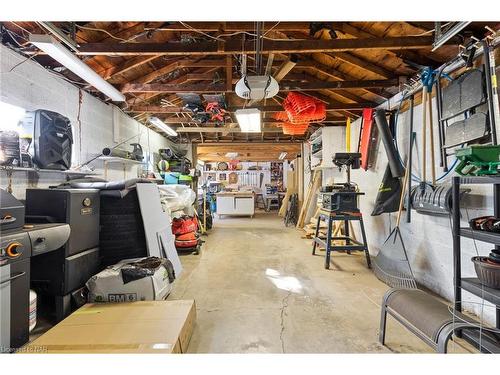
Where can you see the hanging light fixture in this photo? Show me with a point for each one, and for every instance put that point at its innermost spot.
(162, 126)
(58, 52)
(249, 120)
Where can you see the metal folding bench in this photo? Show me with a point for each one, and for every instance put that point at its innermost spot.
(423, 315)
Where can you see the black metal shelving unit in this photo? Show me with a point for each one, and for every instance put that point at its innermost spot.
(472, 284)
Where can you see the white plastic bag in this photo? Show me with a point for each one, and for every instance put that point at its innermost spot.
(176, 197)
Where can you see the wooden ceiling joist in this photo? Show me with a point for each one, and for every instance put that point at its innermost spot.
(360, 67)
(252, 151)
(413, 56)
(270, 121)
(284, 86)
(194, 129)
(284, 69)
(311, 64)
(267, 108)
(363, 64)
(125, 66)
(234, 45)
(231, 26)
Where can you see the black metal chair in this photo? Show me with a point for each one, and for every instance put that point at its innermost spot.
(423, 315)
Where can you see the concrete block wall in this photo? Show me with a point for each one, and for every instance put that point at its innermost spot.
(98, 124)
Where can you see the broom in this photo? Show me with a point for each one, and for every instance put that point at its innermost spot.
(391, 264)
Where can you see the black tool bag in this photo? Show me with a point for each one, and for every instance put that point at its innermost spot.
(388, 195)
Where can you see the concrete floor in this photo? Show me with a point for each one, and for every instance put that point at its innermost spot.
(258, 289)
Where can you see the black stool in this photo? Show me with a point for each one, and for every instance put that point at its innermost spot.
(350, 243)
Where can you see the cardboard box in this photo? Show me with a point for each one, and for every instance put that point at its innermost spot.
(108, 285)
(130, 327)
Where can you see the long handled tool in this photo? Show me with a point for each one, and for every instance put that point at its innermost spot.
(410, 159)
(431, 136)
(391, 264)
(424, 135)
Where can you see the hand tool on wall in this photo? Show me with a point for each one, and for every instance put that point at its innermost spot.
(428, 77)
(411, 139)
(391, 265)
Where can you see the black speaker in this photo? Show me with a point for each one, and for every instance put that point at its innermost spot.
(52, 139)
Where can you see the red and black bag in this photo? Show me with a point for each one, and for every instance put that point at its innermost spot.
(186, 240)
(184, 224)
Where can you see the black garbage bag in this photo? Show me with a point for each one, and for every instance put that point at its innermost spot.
(389, 194)
(146, 267)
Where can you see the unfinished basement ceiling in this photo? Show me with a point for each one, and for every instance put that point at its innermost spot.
(348, 65)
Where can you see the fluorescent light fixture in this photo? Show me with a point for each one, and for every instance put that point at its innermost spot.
(282, 155)
(58, 52)
(11, 115)
(200, 162)
(249, 120)
(232, 155)
(161, 125)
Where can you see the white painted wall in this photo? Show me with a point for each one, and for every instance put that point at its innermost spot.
(428, 238)
(32, 87)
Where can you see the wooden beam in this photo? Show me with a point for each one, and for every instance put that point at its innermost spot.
(337, 85)
(223, 130)
(234, 45)
(414, 56)
(248, 144)
(267, 108)
(284, 86)
(246, 147)
(351, 59)
(331, 72)
(126, 66)
(284, 69)
(363, 64)
(251, 158)
(230, 26)
(173, 88)
(178, 64)
(178, 81)
(141, 60)
(169, 68)
(187, 120)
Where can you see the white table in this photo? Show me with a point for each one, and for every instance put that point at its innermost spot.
(235, 203)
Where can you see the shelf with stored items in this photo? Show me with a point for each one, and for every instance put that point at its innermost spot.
(124, 162)
(473, 284)
(323, 144)
(276, 171)
(68, 172)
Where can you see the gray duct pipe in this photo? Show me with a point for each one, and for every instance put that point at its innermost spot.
(397, 169)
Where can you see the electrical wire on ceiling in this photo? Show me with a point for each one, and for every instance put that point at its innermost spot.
(22, 62)
(31, 57)
(430, 31)
(132, 38)
(13, 37)
(22, 28)
(220, 37)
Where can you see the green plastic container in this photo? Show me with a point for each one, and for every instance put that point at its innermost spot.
(185, 179)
